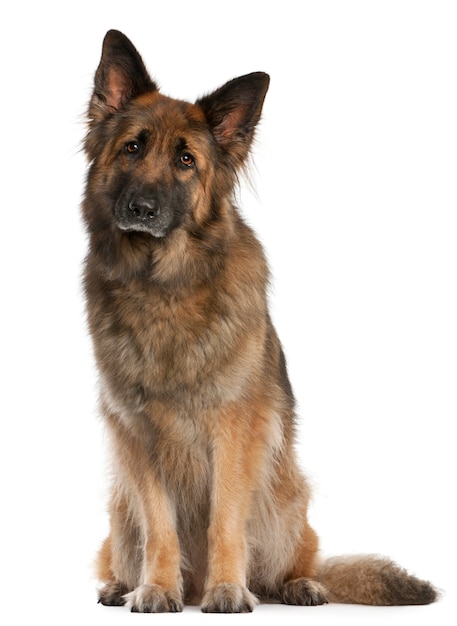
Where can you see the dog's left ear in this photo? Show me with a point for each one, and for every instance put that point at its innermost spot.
(233, 112)
(120, 77)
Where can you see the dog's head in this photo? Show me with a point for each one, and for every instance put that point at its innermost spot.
(160, 163)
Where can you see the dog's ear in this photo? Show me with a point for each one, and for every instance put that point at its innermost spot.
(233, 112)
(120, 76)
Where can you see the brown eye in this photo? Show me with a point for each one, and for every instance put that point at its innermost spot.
(187, 160)
(132, 147)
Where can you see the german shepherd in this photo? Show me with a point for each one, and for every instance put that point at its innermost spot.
(208, 503)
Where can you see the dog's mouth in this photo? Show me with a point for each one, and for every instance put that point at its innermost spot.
(145, 215)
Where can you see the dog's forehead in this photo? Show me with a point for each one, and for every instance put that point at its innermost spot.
(168, 112)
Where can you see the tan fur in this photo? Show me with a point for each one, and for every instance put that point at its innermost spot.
(208, 503)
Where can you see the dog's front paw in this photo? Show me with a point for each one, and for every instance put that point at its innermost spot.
(153, 599)
(228, 598)
(303, 592)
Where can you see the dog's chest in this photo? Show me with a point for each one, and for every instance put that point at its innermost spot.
(153, 347)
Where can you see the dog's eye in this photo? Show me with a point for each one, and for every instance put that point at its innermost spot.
(132, 147)
(187, 159)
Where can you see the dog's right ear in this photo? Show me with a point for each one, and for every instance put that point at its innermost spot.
(233, 111)
(120, 76)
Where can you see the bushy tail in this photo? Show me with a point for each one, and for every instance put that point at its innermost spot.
(372, 580)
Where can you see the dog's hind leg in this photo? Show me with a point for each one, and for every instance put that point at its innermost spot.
(112, 592)
(119, 559)
(299, 587)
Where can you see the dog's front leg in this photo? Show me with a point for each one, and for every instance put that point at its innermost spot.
(150, 506)
(161, 586)
(233, 476)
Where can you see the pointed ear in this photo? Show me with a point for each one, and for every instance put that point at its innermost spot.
(120, 76)
(233, 112)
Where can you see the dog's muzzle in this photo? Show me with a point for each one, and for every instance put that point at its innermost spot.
(144, 213)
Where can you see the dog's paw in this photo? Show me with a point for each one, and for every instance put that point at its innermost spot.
(153, 599)
(228, 598)
(303, 592)
(112, 594)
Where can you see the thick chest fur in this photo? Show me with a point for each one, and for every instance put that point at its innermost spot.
(189, 353)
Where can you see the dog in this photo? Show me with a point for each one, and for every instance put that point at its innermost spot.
(208, 503)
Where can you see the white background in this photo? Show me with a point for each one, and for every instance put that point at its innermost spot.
(355, 202)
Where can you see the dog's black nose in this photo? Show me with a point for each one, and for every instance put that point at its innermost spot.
(144, 208)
